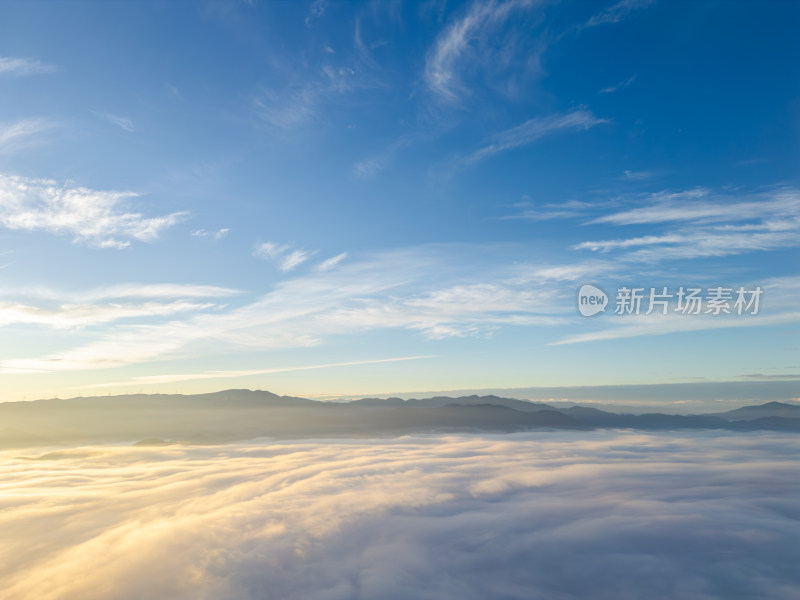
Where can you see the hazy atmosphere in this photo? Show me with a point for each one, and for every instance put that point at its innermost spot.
(399, 300)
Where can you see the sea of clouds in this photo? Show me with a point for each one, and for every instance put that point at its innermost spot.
(544, 515)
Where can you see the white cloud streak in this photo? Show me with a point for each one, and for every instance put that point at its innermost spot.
(123, 123)
(533, 130)
(456, 45)
(701, 204)
(570, 209)
(94, 217)
(300, 101)
(440, 292)
(704, 223)
(211, 235)
(171, 378)
(331, 262)
(379, 292)
(122, 291)
(16, 136)
(84, 315)
(617, 12)
(23, 66)
(316, 11)
(668, 515)
(284, 256)
(622, 84)
(658, 324)
(58, 309)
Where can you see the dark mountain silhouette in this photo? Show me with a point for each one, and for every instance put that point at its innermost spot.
(244, 414)
(473, 400)
(761, 411)
(472, 417)
(771, 423)
(600, 418)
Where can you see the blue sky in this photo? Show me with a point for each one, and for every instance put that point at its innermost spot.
(335, 198)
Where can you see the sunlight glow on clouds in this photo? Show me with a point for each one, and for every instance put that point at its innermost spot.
(545, 515)
(170, 378)
(416, 289)
(377, 292)
(70, 316)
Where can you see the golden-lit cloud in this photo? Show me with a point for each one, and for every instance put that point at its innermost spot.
(535, 515)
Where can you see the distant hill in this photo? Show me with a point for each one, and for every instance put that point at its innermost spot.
(523, 405)
(770, 409)
(244, 414)
(227, 398)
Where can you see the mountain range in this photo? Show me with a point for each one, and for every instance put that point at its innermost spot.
(153, 419)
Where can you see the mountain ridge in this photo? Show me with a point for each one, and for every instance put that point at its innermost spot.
(238, 414)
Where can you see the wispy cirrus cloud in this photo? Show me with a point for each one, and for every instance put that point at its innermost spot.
(369, 167)
(316, 11)
(570, 209)
(622, 84)
(19, 67)
(287, 110)
(465, 42)
(25, 132)
(616, 12)
(304, 96)
(703, 204)
(211, 235)
(629, 175)
(658, 324)
(59, 309)
(331, 262)
(493, 46)
(123, 123)
(476, 40)
(175, 377)
(701, 223)
(393, 290)
(439, 292)
(411, 290)
(285, 256)
(85, 315)
(696, 243)
(121, 291)
(98, 218)
(531, 131)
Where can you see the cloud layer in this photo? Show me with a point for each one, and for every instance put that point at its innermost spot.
(540, 515)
